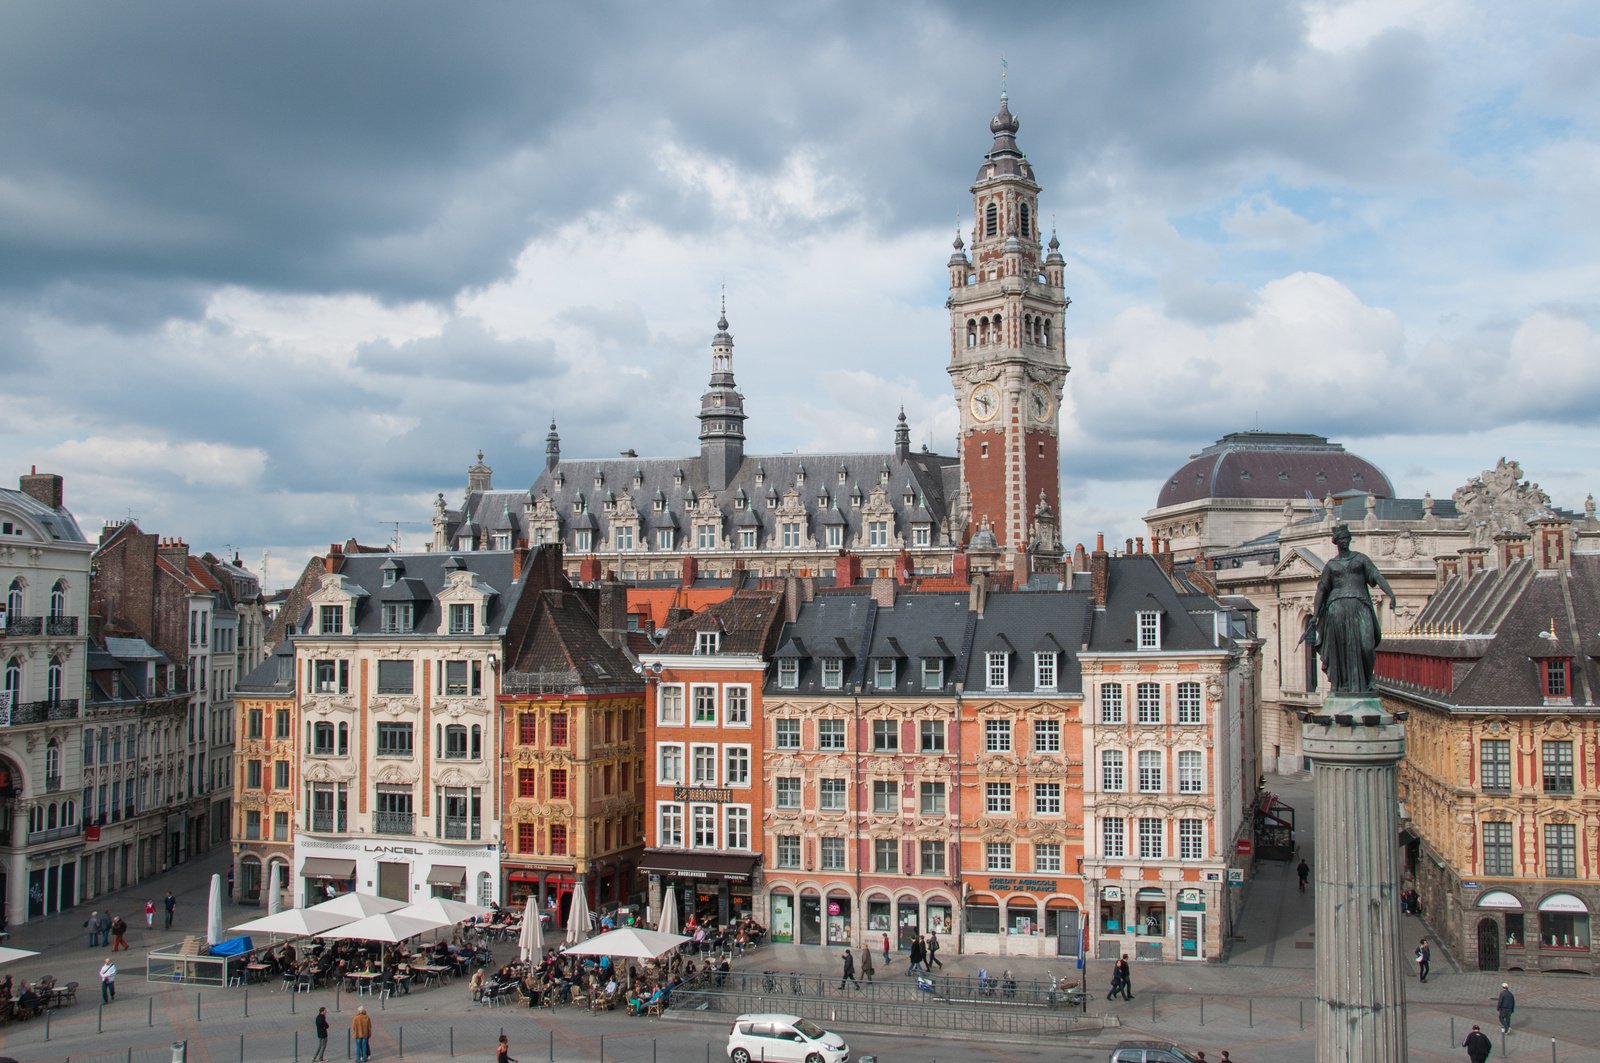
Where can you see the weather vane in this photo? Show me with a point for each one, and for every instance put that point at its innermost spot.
(1003, 71)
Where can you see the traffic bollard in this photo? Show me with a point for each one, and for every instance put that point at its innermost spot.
(452, 1042)
(150, 1012)
(1251, 1009)
(347, 1051)
(602, 1048)
(1452, 1031)
(402, 1042)
(1202, 1011)
(197, 1006)
(47, 1024)
(241, 1048)
(100, 1020)
(247, 1002)
(297, 1046)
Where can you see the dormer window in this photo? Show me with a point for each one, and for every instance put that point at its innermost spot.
(331, 618)
(800, 476)
(1149, 633)
(707, 643)
(677, 478)
(560, 479)
(599, 479)
(932, 673)
(638, 478)
(996, 669)
(1044, 670)
(1556, 673)
(741, 502)
(761, 474)
(502, 540)
(832, 673)
(883, 673)
(844, 474)
(461, 619)
(922, 534)
(908, 499)
(788, 673)
(397, 618)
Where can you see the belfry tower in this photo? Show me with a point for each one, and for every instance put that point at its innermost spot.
(1007, 363)
(722, 413)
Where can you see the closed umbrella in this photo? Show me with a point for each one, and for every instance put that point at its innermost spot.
(530, 943)
(578, 918)
(214, 912)
(668, 923)
(274, 894)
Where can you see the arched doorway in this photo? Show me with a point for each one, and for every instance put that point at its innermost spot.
(1488, 944)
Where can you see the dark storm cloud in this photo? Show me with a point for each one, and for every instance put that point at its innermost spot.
(463, 349)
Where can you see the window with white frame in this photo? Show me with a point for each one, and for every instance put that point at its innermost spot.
(747, 538)
(1047, 858)
(736, 765)
(1150, 839)
(835, 535)
(670, 704)
(830, 734)
(931, 736)
(670, 758)
(786, 791)
(736, 827)
(885, 796)
(1189, 713)
(703, 826)
(664, 538)
(1111, 703)
(1113, 836)
(877, 533)
(886, 855)
(583, 541)
(883, 673)
(931, 798)
(1150, 771)
(703, 766)
(1047, 799)
(997, 798)
(996, 669)
(932, 673)
(704, 699)
(997, 736)
(1191, 839)
(1113, 765)
(705, 536)
(1191, 771)
(671, 832)
(790, 530)
(786, 734)
(830, 795)
(885, 736)
(788, 850)
(1047, 736)
(736, 706)
(788, 673)
(997, 856)
(622, 537)
(707, 643)
(1044, 670)
(832, 673)
(831, 852)
(1148, 697)
(1149, 623)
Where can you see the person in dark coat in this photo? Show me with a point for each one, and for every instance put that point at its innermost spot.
(1124, 977)
(849, 970)
(1424, 955)
(919, 954)
(1477, 1045)
(322, 1035)
(933, 950)
(1504, 1005)
(866, 962)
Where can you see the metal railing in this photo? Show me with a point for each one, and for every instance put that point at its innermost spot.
(456, 827)
(332, 821)
(394, 822)
(44, 711)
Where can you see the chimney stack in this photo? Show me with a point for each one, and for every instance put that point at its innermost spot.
(690, 570)
(1099, 572)
(978, 593)
(846, 569)
(44, 488)
(883, 592)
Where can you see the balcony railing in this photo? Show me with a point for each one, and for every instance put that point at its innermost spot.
(41, 625)
(71, 831)
(44, 711)
(330, 821)
(394, 822)
(456, 828)
(52, 784)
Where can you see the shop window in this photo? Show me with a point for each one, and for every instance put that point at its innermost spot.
(1021, 919)
(983, 917)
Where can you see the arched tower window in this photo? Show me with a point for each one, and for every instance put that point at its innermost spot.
(53, 681)
(58, 598)
(991, 219)
(52, 760)
(14, 597)
(1047, 333)
(1023, 220)
(972, 333)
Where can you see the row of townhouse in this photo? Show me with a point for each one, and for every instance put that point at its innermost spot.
(1019, 771)
(114, 719)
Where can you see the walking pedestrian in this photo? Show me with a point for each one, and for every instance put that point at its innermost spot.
(886, 949)
(1477, 1045)
(1225, 1058)
(322, 1035)
(361, 1030)
(866, 962)
(849, 970)
(1423, 956)
(108, 981)
(1504, 1005)
(93, 925)
(1303, 869)
(502, 1051)
(119, 931)
(1116, 982)
(171, 903)
(149, 914)
(933, 950)
(230, 883)
(919, 953)
(104, 926)
(1126, 977)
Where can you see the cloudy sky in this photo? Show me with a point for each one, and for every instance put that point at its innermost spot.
(270, 274)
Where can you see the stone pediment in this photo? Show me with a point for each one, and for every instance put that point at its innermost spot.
(1298, 563)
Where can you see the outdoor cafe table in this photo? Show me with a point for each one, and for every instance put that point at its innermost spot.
(361, 981)
(430, 972)
(257, 972)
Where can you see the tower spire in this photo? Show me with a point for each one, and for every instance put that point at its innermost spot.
(722, 413)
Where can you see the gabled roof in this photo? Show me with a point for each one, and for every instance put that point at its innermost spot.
(745, 622)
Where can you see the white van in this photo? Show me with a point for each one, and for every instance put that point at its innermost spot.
(771, 1038)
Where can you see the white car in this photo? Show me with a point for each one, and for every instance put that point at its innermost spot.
(783, 1039)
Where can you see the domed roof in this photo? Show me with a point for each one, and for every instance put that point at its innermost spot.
(1259, 464)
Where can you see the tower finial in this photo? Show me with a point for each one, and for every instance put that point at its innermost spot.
(1003, 72)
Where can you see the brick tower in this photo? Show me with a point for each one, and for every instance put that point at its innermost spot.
(1007, 362)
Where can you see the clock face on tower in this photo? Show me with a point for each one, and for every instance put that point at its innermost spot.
(985, 402)
(1040, 402)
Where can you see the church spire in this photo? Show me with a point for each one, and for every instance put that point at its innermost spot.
(552, 447)
(722, 413)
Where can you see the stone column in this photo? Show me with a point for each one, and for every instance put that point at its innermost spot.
(1354, 746)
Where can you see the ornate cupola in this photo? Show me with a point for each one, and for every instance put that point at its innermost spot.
(722, 413)
(552, 447)
(902, 437)
(479, 476)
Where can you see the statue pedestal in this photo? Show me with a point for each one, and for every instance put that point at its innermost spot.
(1355, 747)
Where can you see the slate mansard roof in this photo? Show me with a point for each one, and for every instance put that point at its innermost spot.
(57, 521)
(418, 579)
(1290, 465)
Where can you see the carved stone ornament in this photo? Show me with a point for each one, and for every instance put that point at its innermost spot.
(1499, 499)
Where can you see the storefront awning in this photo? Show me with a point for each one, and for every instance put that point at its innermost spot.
(328, 867)
(697, 865)
(447, 875)
(1563, 902)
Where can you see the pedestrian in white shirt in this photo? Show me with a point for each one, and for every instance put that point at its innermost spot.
(108, 981)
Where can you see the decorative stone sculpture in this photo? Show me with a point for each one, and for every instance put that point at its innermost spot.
(1347, 632)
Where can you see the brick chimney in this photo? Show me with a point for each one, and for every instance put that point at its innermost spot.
(175, 552)
(902, 568)
(883, 592)
(589, 569)
(334, 559)
(1161, 550)
(43, 487)
(1509, 547)
(613, 613)
(1549, 540)
(846, 570)
(961, 568)
(1473, 558)
(1445, 567)
(690, 569)
(1099, 572)
(1080, 559)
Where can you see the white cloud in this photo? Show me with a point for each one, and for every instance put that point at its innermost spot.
(1260, 221)
(194, 464)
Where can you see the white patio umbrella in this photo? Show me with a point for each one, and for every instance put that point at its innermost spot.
(668, 923)
(274, 894)
(386, 927)
(357, 905)
(530, 943)
(295, 923)
(214, 912)
(443, 908)
(13, 955)
(630, 942)
(578, 918)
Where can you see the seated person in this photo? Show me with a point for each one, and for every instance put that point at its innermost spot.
(722, 970)
(29, 1002)
(478, 983)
